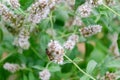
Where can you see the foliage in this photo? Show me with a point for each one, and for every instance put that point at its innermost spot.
(91, 57)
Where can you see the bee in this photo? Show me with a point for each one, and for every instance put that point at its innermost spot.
(49, 54)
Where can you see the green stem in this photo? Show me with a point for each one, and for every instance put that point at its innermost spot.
(66, 35)
(51, 22)
(79, 68)
(63, 35)
(48, 64)
(27, 69)
(75, 29)
(19, 9)
(36, 53)
(111, 10)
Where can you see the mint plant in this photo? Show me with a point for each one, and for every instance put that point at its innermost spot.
(59, 40)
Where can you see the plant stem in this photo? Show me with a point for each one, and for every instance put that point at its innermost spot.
(36, 53)
(111, 10)
(64, 35)
(27, 69)
(19, 9)
(51, 21)
(79, 67)
(48, 64)
(52, 26)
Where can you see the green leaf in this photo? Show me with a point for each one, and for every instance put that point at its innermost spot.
(61, 14)
(91, 66)
(66, 68)
(74, 53)
(38, 67)
(113, 64)
(44, 40)
(78, 3)
(44, 24)
(84, 78)
(1, 35)
(31, 76)
(118, 41)
(25, 3)
(97, 54)
(66, 61)
(77, 59)
(25, 77)
(54, 68)
(89, 49)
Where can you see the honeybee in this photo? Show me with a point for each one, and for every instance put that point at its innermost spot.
(49, 54)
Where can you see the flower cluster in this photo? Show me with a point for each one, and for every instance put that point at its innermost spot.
(84, 10)
(40, 10)
(109, 76)
(90, 30)
(110, 2)
(13, 22)
(51, 32)
(22, 39)
(11, 67)
(52, 4)
(95, 3)
(22, 23)
(14, 3)
(55, 52)
(70, 3)
(44, 75)
(77, 21)
(16, 23)
(70, 43)
(60, 1)
(7, 15)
